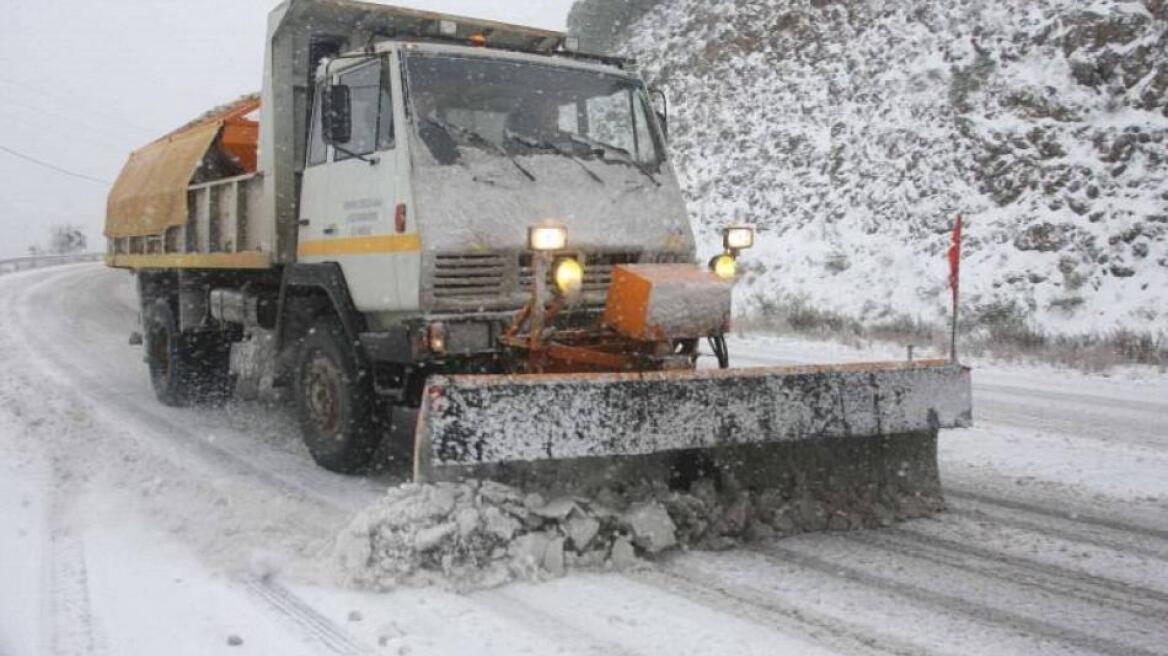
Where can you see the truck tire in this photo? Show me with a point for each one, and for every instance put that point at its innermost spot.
(185, 368)
(335, 401)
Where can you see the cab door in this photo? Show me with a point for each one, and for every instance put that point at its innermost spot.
(350, 190)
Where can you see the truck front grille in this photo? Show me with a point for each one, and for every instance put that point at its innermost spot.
(503, 280)
(597, 270)
(469, 275)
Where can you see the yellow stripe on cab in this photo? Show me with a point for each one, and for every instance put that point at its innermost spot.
(375, 245)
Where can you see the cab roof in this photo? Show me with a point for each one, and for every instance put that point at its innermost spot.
(400, 24)
(464, 50)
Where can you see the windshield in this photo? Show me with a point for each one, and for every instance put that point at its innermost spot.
(517, 108)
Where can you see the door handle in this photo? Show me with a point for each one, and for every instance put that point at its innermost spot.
(331, 230)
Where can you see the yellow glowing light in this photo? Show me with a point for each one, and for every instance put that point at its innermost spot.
(568, 276)
(725, 267)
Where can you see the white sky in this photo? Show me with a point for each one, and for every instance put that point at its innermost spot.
(84, 82)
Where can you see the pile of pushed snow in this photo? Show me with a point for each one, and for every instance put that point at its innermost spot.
(476, 534)
(479, 534)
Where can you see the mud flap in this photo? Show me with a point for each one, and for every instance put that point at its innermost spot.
(859, 432)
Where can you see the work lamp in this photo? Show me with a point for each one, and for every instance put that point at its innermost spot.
(547, 237)
(737, 238)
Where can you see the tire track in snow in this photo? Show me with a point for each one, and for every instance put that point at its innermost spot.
(1057, 580)
(543, 623)
(1061, 523)
(1098, 421)
(306, 619)
(773, 612)
(1057, 513)
(70, 622)
(982, 612)
(67, 623)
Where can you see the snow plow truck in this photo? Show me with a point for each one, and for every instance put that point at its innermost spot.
(473, 229)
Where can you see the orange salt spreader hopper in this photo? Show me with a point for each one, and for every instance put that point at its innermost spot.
(239, 139)
(238, 136)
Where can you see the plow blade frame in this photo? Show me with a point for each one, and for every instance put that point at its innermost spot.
(479, 425)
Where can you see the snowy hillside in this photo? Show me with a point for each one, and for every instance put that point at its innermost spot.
(852, 132)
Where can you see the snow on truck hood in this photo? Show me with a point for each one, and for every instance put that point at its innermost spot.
(484, 202)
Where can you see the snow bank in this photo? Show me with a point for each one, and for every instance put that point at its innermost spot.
(853, 132)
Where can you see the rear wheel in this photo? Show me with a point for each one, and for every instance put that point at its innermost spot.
(185, 368)
(335, 401)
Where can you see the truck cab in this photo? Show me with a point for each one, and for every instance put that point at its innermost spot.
(427, 162)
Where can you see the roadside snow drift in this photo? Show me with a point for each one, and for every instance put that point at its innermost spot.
(853, 132)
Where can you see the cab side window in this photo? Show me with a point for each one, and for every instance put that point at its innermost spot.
(316, 146)
(372, 111)
(385, 134)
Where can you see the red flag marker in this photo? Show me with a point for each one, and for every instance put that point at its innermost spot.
(954, 282)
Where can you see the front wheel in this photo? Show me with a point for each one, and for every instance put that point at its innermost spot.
(335, 401)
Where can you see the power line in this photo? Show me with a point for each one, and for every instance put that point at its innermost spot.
(54, 166)
(88, 123)
(92, 137)
(67, 101)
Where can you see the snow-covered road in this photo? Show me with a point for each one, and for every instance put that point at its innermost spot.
(130, 528)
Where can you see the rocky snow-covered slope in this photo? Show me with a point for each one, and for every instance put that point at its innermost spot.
(854, 131)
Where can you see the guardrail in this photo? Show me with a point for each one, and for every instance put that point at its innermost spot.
(40, 261)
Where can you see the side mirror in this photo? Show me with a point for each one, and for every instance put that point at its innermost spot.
(663, 119)
(337, 114)
(661, 108)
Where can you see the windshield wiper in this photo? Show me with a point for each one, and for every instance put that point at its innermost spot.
(539, 144)
(624, 157)
(475, 137)
(368, 160)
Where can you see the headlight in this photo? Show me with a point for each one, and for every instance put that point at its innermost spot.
(547, 238)
(724, 266)
(568, 275)
(737, 238)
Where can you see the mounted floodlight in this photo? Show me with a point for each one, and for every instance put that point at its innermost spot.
(737, 238)
(547, 237)
(447, 27)
(724, 266)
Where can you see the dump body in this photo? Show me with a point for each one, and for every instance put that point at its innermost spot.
(194, 198)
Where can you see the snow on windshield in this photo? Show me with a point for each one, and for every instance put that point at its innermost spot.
(519, 108)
